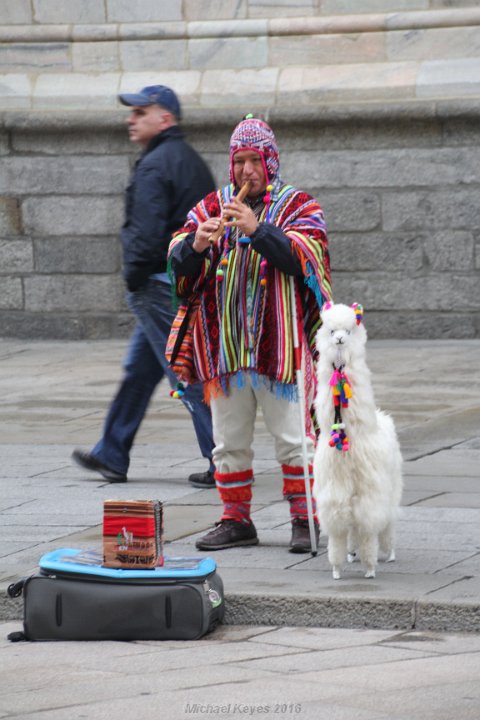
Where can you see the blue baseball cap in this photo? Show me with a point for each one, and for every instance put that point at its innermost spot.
(154, 95)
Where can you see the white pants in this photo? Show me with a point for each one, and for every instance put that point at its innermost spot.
(233, 419)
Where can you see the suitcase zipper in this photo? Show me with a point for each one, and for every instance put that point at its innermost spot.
(168, 611)
(58, 610)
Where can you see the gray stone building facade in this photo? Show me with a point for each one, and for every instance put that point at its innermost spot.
(377, 115)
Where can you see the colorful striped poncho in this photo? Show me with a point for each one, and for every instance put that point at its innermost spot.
(244, 324)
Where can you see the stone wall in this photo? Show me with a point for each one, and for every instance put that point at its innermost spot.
(79, 56)
(399, 186)
(397, 173)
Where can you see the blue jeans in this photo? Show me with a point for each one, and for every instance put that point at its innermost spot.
(145, 365)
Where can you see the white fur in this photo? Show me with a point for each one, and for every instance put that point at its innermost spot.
(358, 492)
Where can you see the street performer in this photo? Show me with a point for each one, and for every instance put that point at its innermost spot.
(244, 350)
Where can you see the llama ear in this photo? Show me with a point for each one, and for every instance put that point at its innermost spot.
(358, 312)
(327, 306)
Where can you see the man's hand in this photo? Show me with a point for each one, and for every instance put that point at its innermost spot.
(204, 231)
(243, 216)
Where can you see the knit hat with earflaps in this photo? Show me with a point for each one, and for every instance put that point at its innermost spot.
(254, 134)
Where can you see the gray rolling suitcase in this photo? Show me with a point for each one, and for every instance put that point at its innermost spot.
(74, 598)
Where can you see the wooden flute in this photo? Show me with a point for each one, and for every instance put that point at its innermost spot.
(242, 193)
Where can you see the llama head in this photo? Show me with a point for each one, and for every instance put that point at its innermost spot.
(342, 335)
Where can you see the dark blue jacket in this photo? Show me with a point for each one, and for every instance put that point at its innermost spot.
(167, 181)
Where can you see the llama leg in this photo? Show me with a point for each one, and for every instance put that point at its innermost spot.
(387, 542)
(337, 550)
(352, 544)
(369, 554)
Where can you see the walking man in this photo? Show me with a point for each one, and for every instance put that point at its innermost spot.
(168, 179)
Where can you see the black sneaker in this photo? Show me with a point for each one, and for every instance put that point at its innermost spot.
(203, 480)
(228, 534)
(89, 462)
(300, 542)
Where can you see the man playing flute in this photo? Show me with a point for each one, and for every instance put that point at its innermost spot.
(244, 350)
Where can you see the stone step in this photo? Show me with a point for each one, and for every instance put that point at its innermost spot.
(316, 44)
(263, 62)
(232, 28)
(48, 12)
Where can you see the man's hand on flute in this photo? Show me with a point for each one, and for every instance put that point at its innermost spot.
(242, 216)
(204, 232)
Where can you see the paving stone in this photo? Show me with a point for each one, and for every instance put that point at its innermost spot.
(448, 463)
(332, 659)
(460, 500)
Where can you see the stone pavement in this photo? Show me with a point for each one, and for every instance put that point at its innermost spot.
(244, 671)
(402, 633)
(54, 396)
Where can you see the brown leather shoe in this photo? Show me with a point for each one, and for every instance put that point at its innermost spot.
(300, 542)
(228, 534)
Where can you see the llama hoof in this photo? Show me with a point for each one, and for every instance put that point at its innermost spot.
(351, 557)
(336, 573)
(370, 574)
(391, 557)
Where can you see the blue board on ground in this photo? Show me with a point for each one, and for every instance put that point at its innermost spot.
(89, 562)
